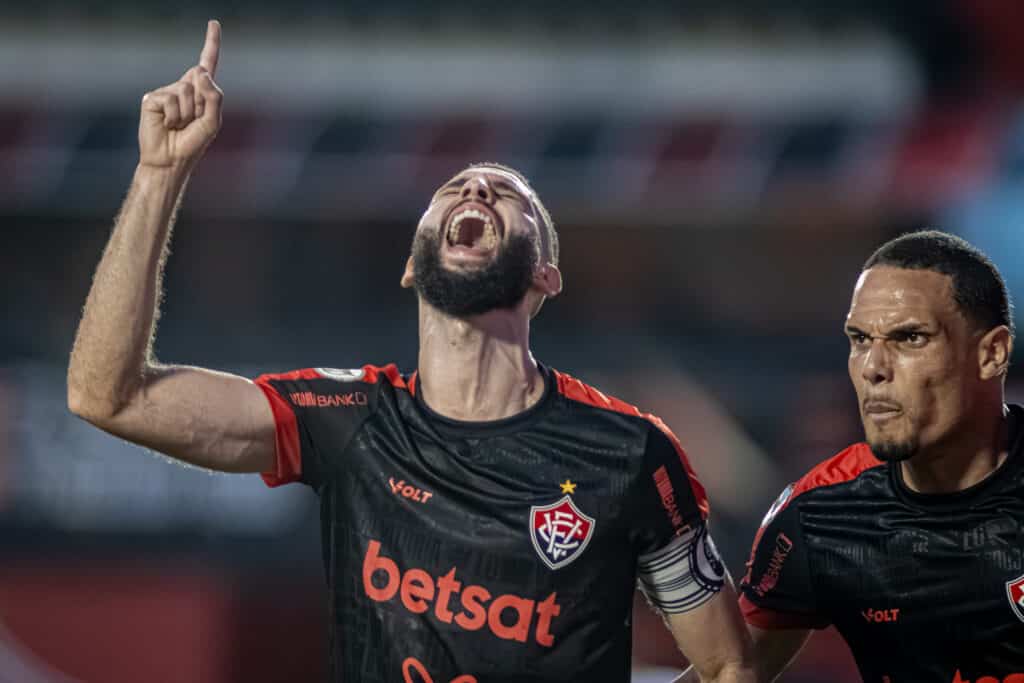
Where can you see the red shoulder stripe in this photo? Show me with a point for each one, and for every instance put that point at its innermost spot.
(570, 387)
(372, 374)
(847, 465)
(390, 372)
(574, 389)
(306, 373)
(700, 495)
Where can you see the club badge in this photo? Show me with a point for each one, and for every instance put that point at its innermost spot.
(1015, 592)
(560, 532)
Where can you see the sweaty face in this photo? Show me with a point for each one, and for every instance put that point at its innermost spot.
(910, 359)
(477, 245)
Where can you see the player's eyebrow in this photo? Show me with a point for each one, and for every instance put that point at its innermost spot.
(500, 184)
(901, 331)
(903, 328)
(454, 182)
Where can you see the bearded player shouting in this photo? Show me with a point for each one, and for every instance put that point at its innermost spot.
(484, 518)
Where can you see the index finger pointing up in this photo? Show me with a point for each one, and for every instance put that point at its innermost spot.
(211, 49)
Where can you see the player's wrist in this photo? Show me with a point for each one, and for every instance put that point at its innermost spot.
(158, 178)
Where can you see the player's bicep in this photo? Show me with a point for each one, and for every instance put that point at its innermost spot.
(713, 636)
(211, 419)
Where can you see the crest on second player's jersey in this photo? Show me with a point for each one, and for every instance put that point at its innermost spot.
(560, 532)
(1015, 592)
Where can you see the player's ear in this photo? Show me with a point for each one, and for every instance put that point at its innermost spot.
(994, 350)
(407, 277)
(548, 279)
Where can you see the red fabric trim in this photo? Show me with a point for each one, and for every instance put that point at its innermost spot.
(412, 382)
(574, 389)
(389, 372)
(770, 620)
(570, 387)
(307, 373)
(847, 465)
(288, 454)
(699, 493)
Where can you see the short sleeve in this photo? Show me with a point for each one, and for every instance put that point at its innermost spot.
(678, 565)
(672, 501)
(315, 416)
(777, 591)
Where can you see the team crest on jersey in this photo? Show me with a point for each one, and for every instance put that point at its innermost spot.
(1015, 592)
(560, 532)
(343, 375)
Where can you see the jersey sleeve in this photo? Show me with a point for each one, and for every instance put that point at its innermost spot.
(678, 565)
(777, 591)
(316, 413)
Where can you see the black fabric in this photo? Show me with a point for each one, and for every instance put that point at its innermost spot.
(916, 584)
(468, 545)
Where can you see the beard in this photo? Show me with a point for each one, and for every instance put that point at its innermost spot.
(894, 451)
(500, 284)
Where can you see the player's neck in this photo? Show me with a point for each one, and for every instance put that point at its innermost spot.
(479, 369)
(978, 450)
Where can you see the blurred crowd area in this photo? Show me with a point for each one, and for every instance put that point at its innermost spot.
(718, 172)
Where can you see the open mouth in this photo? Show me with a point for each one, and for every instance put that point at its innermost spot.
(472, 227)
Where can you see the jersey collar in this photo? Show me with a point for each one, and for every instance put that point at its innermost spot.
(970, 496)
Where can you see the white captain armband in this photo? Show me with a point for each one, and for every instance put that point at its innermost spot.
(684, 574)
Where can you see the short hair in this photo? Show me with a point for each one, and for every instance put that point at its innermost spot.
(549, 225)
(978, 289)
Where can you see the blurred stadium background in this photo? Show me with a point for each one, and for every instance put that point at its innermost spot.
(718, 170)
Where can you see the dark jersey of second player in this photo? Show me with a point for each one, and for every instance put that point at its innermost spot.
(923, 588)
(495, 551)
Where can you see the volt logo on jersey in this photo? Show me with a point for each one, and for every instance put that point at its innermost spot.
(560, 532)
(1015, 592)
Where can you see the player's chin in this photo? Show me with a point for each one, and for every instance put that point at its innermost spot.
(889, 449)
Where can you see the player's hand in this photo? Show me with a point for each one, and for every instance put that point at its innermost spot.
(180, 120)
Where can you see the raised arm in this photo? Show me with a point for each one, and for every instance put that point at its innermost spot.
(207, 418)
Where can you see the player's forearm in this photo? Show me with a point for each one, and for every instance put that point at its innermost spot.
(112, 346)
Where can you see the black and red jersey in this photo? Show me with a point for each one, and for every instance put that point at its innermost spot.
(923, 588)
(486, 552)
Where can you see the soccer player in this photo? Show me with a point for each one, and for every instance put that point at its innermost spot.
(911, 544)
(484, 518)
